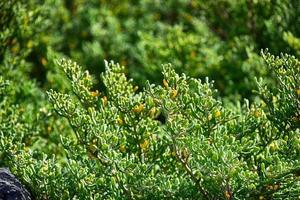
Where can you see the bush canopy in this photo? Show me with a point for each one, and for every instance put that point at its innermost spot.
(178, 99)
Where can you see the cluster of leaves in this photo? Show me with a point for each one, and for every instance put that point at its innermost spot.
(174, 136)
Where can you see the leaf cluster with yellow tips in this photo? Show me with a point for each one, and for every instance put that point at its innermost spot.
(122, 148)
(144, 145)
(138, 108)
(173, 93)
(165, 83)
(217, 113)
(104, 100)
(153, 112)
(95, 93)
(120, 121)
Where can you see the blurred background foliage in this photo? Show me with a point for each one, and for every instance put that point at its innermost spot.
(219, 39)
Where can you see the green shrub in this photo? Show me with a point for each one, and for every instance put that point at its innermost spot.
(120, 146)
(147, 129)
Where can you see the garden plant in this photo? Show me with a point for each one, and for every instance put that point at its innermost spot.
(177, 99)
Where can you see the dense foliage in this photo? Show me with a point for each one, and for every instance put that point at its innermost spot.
(75, 126)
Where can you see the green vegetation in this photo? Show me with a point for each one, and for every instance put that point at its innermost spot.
(193, 105)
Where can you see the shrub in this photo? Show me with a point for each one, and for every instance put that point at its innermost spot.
(175, 140)
(135, 134)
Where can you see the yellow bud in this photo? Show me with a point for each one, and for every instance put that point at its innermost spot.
(261, 197)
(104, 100)
(15, 49)
(227, 194)
(44, 168)
(138, 108)
(49, 129)
(43, 61)
(91, 110)
(194, 4)
(165, 83)
(276, 187)
(45, 39)
(153, 136)
(122, 148)
(144, 145)
(94, 141)
(26, 149)
(120, 121)
(270, 187)
(173, 93)
(173, 153)
(193, 54)
(185, 153)
(95, 93)
(252, 186)
(298, 91)
(282, 71)
(135, 88)
(217, 114)
(273, 146)
(263, 104)
(152, 112)
(257, 113)
(29, 44)
(209, 117)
